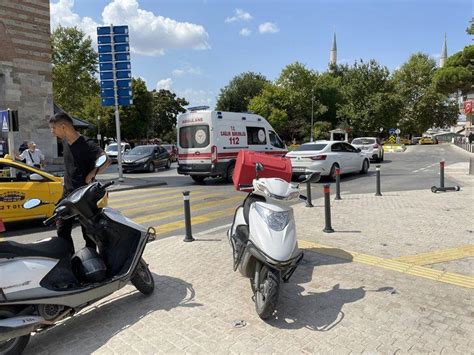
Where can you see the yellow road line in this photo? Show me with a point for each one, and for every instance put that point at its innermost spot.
(173, 226)
(438, 256)
(180, 211)
(152, 198)
(137, 194)
(175, 202)
(391, 264)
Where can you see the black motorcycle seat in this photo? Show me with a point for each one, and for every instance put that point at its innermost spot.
(55, 248)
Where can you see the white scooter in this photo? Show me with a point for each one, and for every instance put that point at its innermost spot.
(263, 238)
(42, 283)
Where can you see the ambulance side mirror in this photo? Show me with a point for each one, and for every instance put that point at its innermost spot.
(258, 168)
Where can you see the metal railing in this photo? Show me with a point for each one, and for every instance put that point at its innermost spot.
(465, 145)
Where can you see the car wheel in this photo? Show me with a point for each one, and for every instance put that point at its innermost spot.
(151, 167)
(168, 164)
(332, 173)
(230, 173)
(365, 167)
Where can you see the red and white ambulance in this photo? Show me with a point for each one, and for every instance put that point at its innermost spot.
(209, 141)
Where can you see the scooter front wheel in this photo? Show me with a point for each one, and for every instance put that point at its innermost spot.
(15, 345)
(266, 293)
(143, 279)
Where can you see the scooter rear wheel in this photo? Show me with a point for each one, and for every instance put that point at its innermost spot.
(266, 294)
(143, 279)
(16, 345)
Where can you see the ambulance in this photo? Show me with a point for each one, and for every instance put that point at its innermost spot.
(209, 141)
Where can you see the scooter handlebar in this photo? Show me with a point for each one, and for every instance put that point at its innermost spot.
(107, 184)
(50, 220)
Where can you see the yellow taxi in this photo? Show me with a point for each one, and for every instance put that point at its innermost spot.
(405, 141)
(19, 183)
(426, 140)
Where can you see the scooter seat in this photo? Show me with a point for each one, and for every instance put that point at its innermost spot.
(55, 248)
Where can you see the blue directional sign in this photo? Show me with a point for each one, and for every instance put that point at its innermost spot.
(391, 131)
(114, 65)
(4, 120)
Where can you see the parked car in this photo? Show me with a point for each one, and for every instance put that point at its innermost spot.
(370, 146)
(112, 150)
(325, 156)
(415, 140)
(173, 150)
(405, 141)
(426, 140)
(19, 183)
(146, 158)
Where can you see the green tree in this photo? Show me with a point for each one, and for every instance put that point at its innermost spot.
(321, 130)
(457, 74)
(235, 97)
(290, 101)
(369, 100)
(74, 68)
(165, 109)
(470, 29)
(423, 106)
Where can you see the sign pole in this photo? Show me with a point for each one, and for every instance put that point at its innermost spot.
(11, 143)
(117, 113)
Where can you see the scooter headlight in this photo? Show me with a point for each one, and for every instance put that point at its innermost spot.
(275, 220)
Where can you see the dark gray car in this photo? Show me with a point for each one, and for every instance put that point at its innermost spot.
(146, 158)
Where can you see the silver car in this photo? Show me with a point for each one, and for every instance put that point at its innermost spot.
(370, 146)
(326, 156)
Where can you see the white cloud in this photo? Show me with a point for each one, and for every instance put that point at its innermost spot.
(268, 27)
(197, 97)
(240, 15)
(149, 34)
(245, 32)
(187, 70)
(164, 84)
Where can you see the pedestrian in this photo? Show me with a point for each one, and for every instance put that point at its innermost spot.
(79, 155)
(32, 156)
(23, 147)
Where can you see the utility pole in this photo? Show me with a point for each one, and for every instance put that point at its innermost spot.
(312, 113)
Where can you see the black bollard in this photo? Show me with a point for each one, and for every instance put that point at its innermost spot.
(441, 174)
(308, 194)
(327, 209)
(338, 184)
(377, 178)
(187, 217)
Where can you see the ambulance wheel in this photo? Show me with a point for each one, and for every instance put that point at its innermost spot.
(230, 173)
(198, 178)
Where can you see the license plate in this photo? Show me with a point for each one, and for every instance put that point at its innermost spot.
(299, 169)
(364, 148)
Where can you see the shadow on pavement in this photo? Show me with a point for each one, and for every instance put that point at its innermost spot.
(92, 328)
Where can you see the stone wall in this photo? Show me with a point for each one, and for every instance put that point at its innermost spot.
(25, 70)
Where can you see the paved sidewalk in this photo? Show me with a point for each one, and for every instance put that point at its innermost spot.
(396, 276)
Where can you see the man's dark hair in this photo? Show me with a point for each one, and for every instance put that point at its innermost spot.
(61, 117)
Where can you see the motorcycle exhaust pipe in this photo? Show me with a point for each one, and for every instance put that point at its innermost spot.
(18, 326)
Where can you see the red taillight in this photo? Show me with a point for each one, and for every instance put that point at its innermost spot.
(318, 157)
(214, 154)
(375, 146)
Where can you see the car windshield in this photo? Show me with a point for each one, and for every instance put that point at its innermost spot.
(310, 147)
(141, 150)
(111, 148)
(363, 141)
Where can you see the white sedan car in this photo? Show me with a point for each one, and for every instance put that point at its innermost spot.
(325, 156)
(370, 146)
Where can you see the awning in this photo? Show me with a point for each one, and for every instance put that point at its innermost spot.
(77, 122)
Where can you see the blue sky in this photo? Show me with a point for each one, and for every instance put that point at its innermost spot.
(195, 47)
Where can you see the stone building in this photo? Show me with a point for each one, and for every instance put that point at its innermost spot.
(25, 70)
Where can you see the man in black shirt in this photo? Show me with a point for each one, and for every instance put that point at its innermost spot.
(80, 155)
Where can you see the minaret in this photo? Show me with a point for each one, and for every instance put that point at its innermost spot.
(333, 55)
(444, 53)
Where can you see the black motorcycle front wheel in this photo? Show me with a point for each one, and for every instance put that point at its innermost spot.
(266, 293)
(143, 279)
(16, 345)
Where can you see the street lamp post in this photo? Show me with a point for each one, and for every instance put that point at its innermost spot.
(312, 113)
(99, 137)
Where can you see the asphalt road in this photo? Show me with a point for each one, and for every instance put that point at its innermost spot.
(214, 202)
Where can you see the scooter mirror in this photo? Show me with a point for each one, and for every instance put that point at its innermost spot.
(100, 161)
(34, 202)
(259, 167)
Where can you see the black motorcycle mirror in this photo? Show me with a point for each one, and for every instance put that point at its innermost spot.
(258, 168)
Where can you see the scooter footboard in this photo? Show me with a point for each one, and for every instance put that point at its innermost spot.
(18, 326)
